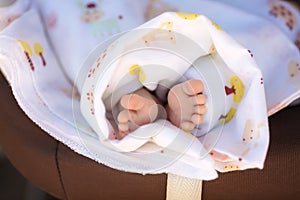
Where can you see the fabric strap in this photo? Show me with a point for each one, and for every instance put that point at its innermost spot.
(179, 188)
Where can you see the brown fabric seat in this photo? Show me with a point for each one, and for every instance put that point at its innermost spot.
(61, 172)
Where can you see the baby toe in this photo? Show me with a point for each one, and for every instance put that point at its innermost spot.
(197, 119)
(122, 134)
(187, 126)
(199, 99)
(123, 116)
(123, 127)
(200, 109)
(192, 87)
(127, 115)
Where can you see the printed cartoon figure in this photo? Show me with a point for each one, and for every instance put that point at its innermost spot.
(6, 21)
(163, 33)
(157, 7)
(237, 89)
(93, 70)
(51, 20)
(230, 167)
(281, 11)
(137, 70)
(28, 52)
(228, 117)
(92, 14)
(250, 52)
(106, 27)
(251, 135)
(219, 156)
(294, 72)
(216, 26)
(38, 50)
(249, 139)
(90, 98)
(187, 16)
(72, 93)
(212, 49)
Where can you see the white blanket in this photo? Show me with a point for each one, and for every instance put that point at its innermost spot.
(44, 91)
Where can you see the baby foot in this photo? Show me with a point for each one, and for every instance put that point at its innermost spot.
(186, 104)
(137, 109)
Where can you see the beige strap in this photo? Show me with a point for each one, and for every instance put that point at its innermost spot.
(181, 188)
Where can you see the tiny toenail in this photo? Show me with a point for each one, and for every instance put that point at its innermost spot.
(196, 118)
(200, 109)
(123, 127)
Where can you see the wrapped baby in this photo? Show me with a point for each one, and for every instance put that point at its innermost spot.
(179, 77)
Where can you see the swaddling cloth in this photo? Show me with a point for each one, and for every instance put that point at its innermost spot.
(11, 10)
(169, 49)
